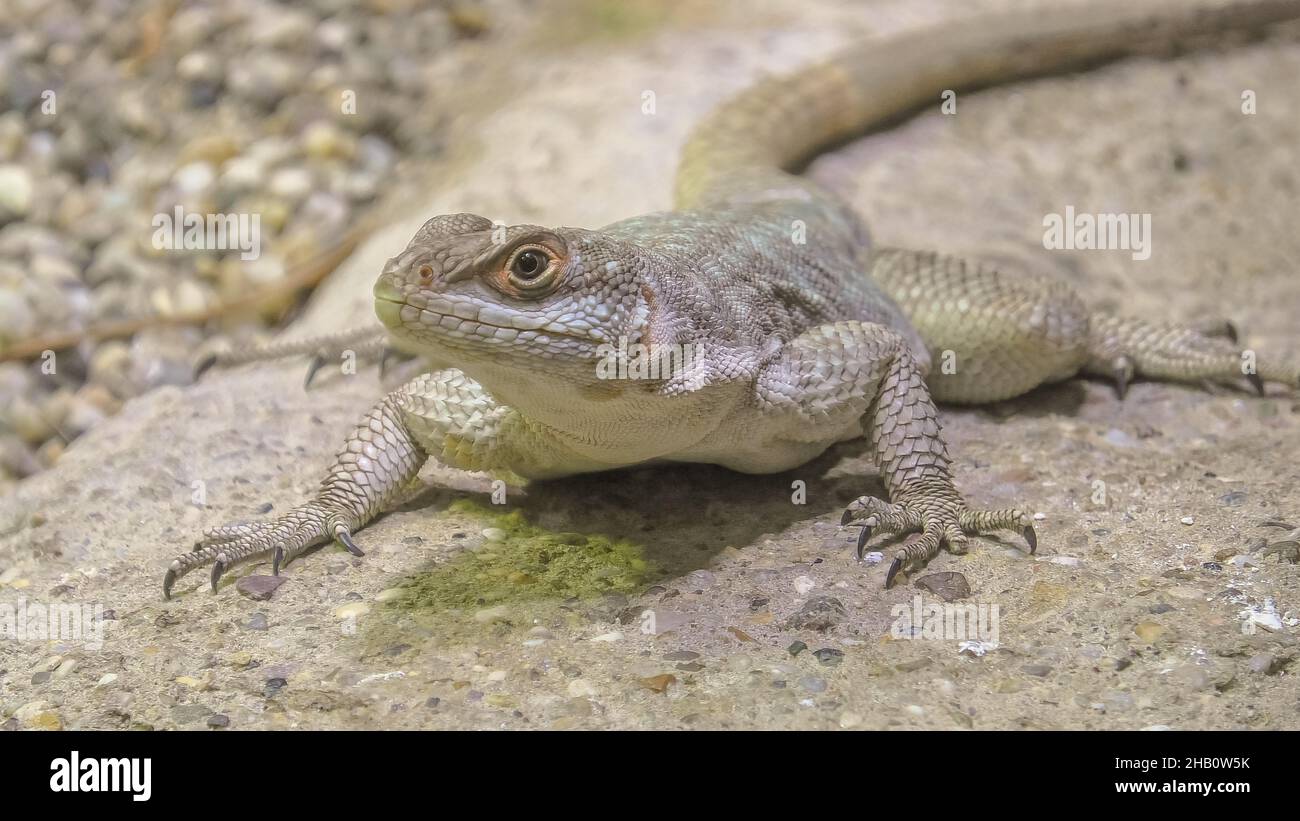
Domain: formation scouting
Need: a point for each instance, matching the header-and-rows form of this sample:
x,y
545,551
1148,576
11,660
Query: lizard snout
x,y
389,301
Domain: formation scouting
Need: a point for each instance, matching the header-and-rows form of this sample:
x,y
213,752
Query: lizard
x,y
777,349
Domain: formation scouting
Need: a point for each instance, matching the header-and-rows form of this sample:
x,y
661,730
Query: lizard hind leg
x,y
993,331
1121,348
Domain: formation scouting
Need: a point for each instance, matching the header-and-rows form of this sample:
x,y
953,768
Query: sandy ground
x,y
1153,601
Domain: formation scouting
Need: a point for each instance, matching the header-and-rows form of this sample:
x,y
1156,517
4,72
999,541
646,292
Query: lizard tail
x,y
779,124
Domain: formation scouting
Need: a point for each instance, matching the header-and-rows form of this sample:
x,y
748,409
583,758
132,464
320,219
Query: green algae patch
x,y
528,563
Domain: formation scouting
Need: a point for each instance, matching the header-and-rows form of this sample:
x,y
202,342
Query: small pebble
x,y
581,688
819,613
829,656
258,587
947,586
1149,631
659,683
491,614
699,579
352,611
1265,664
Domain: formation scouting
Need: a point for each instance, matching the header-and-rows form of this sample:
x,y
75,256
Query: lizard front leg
x,y
846,373
443,414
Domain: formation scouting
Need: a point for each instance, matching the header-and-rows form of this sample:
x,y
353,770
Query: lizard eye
x,y
532,268
529,264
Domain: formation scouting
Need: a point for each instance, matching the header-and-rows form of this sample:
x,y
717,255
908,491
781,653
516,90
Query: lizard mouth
x,y
389,303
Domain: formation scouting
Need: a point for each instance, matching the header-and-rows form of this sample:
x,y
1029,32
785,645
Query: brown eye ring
x,y
426,274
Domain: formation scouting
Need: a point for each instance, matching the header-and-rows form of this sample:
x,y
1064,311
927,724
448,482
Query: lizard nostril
x,y
426,274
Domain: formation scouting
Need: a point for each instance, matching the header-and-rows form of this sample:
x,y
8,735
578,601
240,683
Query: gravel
x,y
111,117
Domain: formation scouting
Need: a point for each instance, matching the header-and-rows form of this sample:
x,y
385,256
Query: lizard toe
x,y
874,515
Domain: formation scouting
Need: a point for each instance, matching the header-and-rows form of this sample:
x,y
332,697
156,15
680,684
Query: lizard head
x,y
511,303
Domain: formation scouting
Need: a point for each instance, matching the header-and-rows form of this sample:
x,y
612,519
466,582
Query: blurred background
x,y
112,112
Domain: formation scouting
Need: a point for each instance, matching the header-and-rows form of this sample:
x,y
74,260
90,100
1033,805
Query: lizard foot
x,y
285,537
945,520
363,344
1209,351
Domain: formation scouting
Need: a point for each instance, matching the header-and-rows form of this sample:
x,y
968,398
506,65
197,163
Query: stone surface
x,y
542,138
947,586
259,587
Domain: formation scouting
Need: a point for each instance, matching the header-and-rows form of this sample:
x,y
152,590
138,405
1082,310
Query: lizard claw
x,y
218,568
168,581
285,537
863,535
894,567
939,520
346,538
313,367
204,365
1256,382
1123,374
1230,331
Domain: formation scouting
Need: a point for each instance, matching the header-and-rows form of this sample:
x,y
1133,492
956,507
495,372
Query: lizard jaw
x,y
394,310
388,304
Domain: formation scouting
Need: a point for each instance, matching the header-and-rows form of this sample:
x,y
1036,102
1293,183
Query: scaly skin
x,y
792,331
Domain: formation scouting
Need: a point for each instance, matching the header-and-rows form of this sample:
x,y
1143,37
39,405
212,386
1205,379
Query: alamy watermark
x,y
53,621
126,775
653,361
971,621
208,232
1098,232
